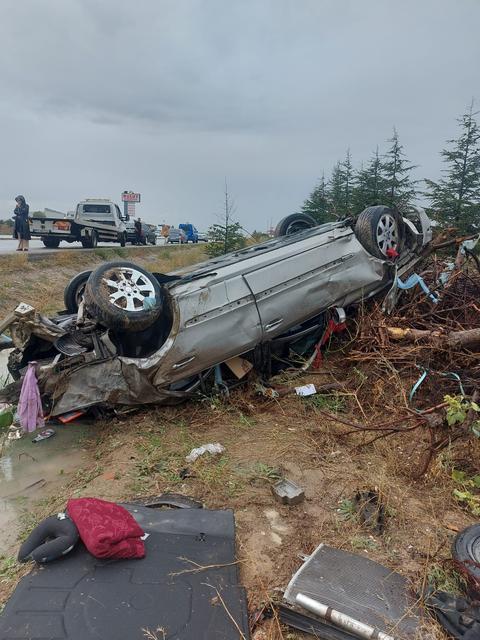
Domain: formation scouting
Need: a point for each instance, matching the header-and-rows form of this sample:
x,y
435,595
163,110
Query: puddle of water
x,y
30,471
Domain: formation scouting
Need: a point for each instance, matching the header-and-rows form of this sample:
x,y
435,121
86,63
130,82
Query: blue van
x,y
190,232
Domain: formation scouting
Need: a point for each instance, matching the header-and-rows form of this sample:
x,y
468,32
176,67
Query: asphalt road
x,y
9,245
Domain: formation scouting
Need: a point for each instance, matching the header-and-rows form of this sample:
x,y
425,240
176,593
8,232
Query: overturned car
x,y
130,337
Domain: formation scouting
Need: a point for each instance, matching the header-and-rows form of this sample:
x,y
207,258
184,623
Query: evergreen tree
x,y
316,205
347,174
455,198
369,185
227,236
336,191
399,187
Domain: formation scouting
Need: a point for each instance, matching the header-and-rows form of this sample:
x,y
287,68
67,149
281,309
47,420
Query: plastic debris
x,y
30,410
44,435
213,448
306,390
287,492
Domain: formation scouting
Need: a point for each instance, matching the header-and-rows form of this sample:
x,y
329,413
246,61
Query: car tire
x,y
51,243
379,229
294,223
466,551
73,292
126,312
93,240
123,239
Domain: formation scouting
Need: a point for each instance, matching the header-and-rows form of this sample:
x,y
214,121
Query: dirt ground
x,y
143,453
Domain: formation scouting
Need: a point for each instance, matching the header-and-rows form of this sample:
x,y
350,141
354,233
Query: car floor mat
x,y
186,588
359,587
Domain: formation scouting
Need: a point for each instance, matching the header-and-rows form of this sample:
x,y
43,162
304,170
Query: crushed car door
x,y
308,277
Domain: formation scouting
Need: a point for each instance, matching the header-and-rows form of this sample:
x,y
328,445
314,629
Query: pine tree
x,y
227,236
336,191
399,187
347,174
455,198
316,205
369,185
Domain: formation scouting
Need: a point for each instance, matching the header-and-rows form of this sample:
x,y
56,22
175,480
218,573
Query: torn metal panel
x,y
359,587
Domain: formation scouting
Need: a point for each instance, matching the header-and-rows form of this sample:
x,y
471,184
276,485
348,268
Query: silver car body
x,y
227,306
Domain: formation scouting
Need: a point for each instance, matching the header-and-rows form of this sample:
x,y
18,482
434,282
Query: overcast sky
x,y
169,97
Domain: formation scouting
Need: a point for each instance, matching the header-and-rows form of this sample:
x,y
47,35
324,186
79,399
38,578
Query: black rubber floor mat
x,y
82,598
358,587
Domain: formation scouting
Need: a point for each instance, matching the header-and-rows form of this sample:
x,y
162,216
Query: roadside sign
x,y
129,196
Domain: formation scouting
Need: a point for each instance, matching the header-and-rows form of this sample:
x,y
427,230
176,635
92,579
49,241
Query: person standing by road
x,y
138,231
21,229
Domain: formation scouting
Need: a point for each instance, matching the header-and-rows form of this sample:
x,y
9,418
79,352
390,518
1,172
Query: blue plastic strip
x,y
412,281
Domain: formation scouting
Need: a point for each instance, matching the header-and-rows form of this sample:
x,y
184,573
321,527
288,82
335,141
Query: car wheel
x,y
466,551
115,296
73,294
51,243
93,240
123,239
294,223
380,230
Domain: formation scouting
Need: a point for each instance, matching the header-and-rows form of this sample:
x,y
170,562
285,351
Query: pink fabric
x,y
30,411
106,529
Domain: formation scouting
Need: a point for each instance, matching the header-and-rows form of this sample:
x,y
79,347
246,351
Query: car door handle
x,y
182,363
274,323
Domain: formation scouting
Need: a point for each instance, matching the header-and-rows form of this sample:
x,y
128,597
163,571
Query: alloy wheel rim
x,y
387,233
128,289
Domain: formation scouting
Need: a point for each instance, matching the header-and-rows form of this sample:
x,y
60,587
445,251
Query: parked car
x,y
190,232
148,233
202,236
176,235
141,337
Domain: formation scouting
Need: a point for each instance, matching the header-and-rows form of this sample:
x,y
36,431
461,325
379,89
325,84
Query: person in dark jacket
x,y
138,231
21,229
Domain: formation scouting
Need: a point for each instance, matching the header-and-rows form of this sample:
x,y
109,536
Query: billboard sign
x,y
129,196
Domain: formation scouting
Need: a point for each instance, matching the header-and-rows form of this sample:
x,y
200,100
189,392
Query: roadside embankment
x,y
41,282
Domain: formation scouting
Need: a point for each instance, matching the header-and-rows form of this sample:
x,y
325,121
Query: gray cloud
x,y
168,97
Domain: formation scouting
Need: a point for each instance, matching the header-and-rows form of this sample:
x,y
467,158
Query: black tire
x,y
114,314
74,291
466,551
123,239
51,243
380,228
93,240
294,223
153,241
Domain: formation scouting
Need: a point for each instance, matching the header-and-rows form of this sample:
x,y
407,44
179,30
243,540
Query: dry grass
x,y
41,282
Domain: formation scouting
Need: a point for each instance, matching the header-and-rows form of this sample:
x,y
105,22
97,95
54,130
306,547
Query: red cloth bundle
x,y
106,529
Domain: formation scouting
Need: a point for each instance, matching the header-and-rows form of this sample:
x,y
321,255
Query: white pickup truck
x,y
95,220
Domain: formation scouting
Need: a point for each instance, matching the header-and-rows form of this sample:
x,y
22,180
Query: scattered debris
x,y
337,579
124,598
459,617
306,390
213,448
370,510
466,554
44,435
51,539
239,366
174,500
287,492
339,619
